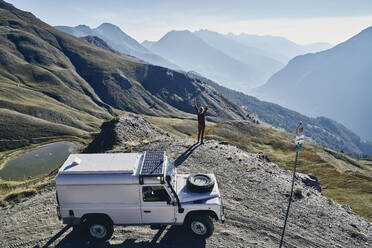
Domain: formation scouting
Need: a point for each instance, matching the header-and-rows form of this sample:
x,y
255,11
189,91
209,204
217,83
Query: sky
x,y
302,21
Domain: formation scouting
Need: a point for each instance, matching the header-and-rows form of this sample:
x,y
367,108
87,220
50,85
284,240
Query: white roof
x,y
101,163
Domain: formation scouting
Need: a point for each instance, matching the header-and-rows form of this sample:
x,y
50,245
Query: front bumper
x,y
59,213
222,212
71,221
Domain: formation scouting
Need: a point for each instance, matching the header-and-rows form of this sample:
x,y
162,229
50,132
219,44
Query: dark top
x,y
201,116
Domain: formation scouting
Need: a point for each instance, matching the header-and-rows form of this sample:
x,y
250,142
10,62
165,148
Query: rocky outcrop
x,y
124,132
311,181
263,157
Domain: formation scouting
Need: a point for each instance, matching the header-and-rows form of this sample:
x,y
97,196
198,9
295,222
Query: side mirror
x,y
168,178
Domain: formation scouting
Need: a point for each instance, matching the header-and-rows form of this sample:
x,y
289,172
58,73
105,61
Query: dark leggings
x,y
201,132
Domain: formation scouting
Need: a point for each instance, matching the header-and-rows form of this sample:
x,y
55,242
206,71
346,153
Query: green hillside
x,y
55,77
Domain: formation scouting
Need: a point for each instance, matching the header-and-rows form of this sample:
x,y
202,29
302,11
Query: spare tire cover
x,y
199,183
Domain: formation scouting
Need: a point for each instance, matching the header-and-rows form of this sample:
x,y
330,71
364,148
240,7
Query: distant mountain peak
x,y
206,31
367,31
148,44
84,28
178,32
118,40
110,26
180,35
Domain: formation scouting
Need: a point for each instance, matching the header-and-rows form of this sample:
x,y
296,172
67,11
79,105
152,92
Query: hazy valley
x,y
333,83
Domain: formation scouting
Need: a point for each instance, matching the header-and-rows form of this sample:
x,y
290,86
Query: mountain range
x,y
119,41
259,57
278,47
263,66
217,57
62,85
193,54
335,83
239,62
320,130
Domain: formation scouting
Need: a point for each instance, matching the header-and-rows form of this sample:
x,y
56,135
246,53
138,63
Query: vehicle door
x,y
156,207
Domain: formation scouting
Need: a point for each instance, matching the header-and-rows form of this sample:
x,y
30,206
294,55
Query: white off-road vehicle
x,y
97,191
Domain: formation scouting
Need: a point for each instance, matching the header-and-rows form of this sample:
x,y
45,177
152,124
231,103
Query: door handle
x,y
147,211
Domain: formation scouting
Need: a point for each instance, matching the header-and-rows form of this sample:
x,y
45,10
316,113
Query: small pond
x,y
37,162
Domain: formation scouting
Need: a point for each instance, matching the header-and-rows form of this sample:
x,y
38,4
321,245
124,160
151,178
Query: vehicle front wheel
x,y
98,229
200,226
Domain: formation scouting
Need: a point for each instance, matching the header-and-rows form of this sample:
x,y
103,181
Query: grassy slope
x,y
41,95
56,77
354,189
30,129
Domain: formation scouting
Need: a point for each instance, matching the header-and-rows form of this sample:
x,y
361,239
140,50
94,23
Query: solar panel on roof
x,y
153,163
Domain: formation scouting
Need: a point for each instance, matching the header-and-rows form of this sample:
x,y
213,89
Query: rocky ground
x,y
255,194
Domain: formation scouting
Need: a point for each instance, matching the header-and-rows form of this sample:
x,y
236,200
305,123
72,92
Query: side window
x,y
154,194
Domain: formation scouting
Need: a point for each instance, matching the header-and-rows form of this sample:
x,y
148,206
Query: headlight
x,y
59,213
222,211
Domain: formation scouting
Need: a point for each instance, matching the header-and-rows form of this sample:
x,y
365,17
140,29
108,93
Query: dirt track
x,y
254,194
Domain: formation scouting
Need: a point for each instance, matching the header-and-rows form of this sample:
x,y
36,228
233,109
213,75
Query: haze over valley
x,y
251,64
335,83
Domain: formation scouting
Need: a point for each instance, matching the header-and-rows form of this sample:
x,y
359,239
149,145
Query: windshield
x,y
170,172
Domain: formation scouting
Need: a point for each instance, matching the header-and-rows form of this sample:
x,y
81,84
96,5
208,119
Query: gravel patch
x,y
255,195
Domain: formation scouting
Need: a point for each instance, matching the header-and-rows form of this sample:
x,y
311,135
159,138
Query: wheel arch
x,y
96,215
209,213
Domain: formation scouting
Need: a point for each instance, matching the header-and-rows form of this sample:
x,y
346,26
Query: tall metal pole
x,y
290,201
299,141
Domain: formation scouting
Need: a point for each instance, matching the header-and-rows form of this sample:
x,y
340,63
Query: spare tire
x,y
199,183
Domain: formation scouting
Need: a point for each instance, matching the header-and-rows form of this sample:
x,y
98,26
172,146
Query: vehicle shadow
x,y
174,236
185,155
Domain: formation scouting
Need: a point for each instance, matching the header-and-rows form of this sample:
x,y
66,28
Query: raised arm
x,y
206,107
195,106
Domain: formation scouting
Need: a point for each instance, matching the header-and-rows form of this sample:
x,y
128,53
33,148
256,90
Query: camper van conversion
x,y
97,191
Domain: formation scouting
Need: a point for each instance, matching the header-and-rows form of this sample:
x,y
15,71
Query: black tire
x,y
97,229
200,226
199,183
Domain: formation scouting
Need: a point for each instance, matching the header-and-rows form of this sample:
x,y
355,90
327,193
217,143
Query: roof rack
x,y
152,165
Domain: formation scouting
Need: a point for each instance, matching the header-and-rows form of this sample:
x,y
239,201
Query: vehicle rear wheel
x,y
98,229
199,183
200,226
